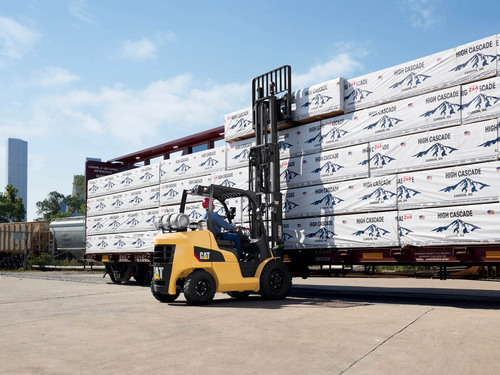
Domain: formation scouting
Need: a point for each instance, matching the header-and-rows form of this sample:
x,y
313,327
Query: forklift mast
x,y
271,104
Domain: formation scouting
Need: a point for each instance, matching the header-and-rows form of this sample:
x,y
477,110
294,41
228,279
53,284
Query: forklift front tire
x,y
275,280
199,288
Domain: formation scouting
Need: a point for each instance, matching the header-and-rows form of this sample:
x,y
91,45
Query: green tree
x,y
11,206
76,201
50,208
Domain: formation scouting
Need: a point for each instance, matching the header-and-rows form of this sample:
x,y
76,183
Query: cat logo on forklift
x,y
207,255
158,272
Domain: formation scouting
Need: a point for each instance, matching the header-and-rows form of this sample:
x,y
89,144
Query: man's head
x,y
204,204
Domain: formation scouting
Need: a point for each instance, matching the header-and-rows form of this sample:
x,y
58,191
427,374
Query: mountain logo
x,y
372,231
139,242
155,196
385,122
182,168
162,173
335,133
93,188
133,222
127,181
283,146
444,109
119,243
323,233
357,95
317,101
151,219
98,226
103,244
411,79
243,155
286,236
241,124
467,185
171,193
221,211
117,203
228,183
210,162
436,150
195,215
490,143
328,167
378,160
379,194
115,224
88,245
101,206
136,200
404,231
109,185
147,176
481,101
288,175
406,193
476,61
289,205
458,227
328,200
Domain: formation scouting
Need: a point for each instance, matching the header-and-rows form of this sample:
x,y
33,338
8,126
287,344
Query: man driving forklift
x,y
219,223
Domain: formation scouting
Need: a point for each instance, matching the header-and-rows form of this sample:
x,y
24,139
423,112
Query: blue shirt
x,y
219,222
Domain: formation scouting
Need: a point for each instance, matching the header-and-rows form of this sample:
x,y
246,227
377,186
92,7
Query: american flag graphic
x,y
421,217
403,144
410,105
344,221
491,212
467,132
429,178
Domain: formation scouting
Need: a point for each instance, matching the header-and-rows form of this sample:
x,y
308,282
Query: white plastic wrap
x,y
325,167
367,194
416,77
238,153
476,224
236,178
137,221
121,243
196,164
133,200
343,231
476,60
481,100
171,192
128,180
466,184
238,124
435,149
318,100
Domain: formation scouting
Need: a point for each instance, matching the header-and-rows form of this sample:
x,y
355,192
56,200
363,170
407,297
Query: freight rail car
x,y
398,166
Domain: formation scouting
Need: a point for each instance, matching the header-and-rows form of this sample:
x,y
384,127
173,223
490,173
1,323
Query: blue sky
x,y
105,78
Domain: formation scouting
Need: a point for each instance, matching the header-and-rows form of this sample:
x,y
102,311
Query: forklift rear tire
x,y
164,297
275,280
199,288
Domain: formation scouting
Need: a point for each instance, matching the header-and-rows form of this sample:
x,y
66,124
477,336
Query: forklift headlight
x,y
179,222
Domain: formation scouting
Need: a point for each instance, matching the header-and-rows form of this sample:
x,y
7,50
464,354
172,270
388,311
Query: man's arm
x,y
221,222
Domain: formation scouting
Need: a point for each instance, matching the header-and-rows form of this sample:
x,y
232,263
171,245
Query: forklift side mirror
x,y
232,212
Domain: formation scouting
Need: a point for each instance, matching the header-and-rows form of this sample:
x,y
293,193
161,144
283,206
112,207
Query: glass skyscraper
x,y
17,167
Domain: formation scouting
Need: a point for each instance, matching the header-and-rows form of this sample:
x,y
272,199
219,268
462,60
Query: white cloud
x,y
53,76
78,8
164,110
138,50
15,39
342,65
422,13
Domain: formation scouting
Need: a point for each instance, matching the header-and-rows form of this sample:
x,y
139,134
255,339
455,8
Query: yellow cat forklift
x,y
196,259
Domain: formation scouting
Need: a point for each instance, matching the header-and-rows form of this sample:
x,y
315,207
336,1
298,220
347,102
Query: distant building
x,y
17,167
